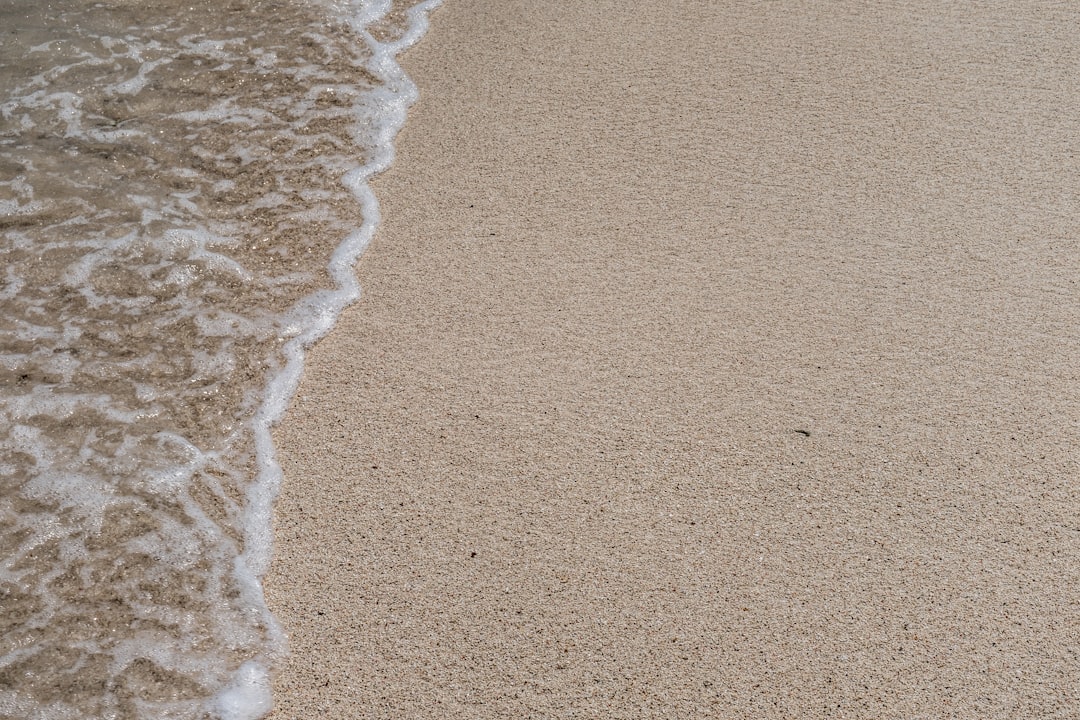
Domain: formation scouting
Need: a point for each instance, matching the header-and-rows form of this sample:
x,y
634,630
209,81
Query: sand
x,y
715,360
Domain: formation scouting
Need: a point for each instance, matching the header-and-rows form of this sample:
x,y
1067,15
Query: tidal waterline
x,y
183,188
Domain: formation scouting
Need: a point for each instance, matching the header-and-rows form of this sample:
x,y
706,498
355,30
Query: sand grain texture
x,y
716,359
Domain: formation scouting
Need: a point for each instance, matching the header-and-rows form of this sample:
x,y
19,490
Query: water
x,y
182,196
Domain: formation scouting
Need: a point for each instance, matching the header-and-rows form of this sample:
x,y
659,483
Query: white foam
x,y
85,492
247,697
226,111
387,113
149,273
134,85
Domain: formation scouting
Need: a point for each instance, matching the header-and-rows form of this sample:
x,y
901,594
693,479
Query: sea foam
x,y
182,208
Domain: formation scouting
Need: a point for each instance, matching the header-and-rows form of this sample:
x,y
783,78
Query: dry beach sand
x,y
716,359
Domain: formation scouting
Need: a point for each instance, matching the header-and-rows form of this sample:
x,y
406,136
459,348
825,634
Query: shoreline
x,y
704,365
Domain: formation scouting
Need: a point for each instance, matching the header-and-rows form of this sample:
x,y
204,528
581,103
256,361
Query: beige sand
x,y
717,359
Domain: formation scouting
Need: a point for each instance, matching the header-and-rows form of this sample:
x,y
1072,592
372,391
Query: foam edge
x,y
248,695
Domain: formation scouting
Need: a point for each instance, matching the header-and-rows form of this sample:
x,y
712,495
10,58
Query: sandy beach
x,y
715,359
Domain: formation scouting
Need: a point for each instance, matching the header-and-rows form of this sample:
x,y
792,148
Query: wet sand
x,y
715,360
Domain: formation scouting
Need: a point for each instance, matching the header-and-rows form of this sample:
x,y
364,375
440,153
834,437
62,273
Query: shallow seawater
x,y
174,228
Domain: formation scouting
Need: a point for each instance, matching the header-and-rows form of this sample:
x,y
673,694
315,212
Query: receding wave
x,y
182,196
